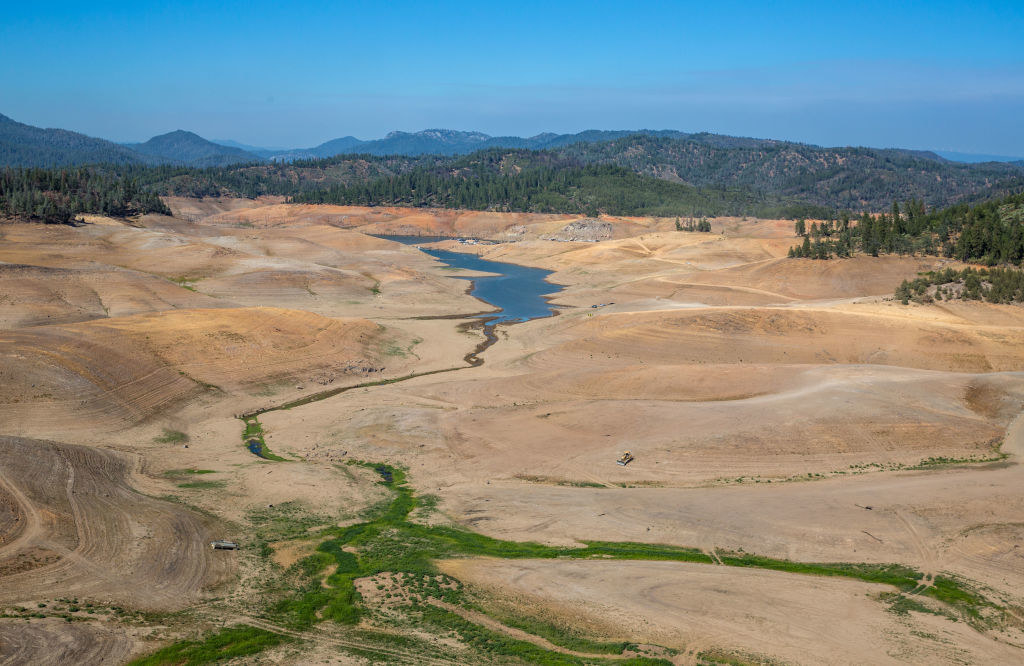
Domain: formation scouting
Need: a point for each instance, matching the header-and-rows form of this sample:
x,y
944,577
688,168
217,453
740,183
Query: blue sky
x,y
942,75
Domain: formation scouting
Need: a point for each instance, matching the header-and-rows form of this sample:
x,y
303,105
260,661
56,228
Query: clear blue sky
x,y
943,75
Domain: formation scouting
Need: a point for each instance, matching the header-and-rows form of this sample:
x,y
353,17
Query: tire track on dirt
x,y
30,521
321,637
113,544
57,642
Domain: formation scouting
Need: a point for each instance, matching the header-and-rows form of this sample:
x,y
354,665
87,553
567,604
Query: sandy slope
x,y
721,364
57,642
82,529
111,373
759,613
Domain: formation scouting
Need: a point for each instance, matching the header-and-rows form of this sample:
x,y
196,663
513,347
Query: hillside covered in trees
x,y
522,180
28,146
188,148
990,232
721,173
23,145
56,196
853,179
543,182
995,285
777,175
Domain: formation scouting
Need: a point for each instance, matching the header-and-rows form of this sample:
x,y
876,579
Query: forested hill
x,y
645,175
853,179
25,145
454,142
57,195
990,232
497,180
754,174
188,148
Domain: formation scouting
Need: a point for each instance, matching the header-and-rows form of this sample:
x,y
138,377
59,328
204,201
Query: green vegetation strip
x,y
391,543
202,485
559,635
252,436
238,641
493,642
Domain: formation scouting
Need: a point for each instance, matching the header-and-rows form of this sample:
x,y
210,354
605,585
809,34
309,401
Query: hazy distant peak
x,y
26,145
184,147
440,135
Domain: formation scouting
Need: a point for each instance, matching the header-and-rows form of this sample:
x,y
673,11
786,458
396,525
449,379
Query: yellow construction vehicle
x,y
625,458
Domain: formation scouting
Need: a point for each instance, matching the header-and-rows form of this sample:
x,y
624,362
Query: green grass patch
x,y
183,282
253,439
959,596
901,604
717,657
284,521
559,635
171,437
496,643
902,577
238,641
172,473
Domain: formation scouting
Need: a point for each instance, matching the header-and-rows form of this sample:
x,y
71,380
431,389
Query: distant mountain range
x,y
975,158
783,171
454,142
187,148
25,145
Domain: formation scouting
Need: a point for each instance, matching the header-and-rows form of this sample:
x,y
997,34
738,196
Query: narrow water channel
x,y
518,292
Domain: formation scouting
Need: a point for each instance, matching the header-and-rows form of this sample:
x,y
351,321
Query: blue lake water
x,y
518,290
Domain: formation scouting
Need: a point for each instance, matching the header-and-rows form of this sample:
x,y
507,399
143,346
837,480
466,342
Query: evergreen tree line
x,y
995,285
496,179
989,233
692,225
545,188
57,195
839,178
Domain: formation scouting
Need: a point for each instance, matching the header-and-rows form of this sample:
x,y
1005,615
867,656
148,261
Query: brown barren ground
x,y
769,402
